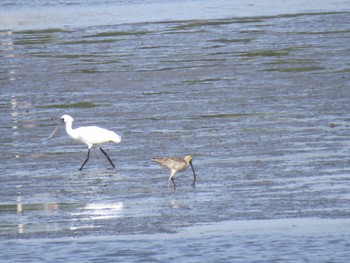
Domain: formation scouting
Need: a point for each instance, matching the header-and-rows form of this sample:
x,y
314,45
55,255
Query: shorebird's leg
x,y
109,159
87,158
171,178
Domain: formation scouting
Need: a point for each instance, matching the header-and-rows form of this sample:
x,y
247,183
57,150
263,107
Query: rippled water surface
x,y
260,102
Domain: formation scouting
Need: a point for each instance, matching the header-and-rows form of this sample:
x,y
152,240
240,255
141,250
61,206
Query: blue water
x,y
256,241
57,14
256,91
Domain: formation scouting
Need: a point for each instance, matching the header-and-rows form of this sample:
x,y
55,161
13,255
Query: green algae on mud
x,y
82,105
295,69
266,53
119,34
231,115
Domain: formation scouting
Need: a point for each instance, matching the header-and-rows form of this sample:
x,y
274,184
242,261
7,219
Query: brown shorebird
x,y
175,165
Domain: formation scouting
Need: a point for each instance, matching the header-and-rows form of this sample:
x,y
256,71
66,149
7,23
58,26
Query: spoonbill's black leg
x,y
87,158
109,159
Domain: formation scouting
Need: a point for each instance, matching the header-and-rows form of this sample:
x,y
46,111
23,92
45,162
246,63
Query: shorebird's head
x,y
188,159
66,119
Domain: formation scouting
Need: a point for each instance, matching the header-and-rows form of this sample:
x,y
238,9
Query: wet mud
x,y
261,104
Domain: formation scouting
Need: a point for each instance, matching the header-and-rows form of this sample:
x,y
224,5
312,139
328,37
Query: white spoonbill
x,y
90,135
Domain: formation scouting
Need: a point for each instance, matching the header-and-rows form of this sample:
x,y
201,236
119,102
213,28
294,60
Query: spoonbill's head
x,y
66,119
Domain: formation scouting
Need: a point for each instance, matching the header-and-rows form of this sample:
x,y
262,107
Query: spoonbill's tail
x,y
115,138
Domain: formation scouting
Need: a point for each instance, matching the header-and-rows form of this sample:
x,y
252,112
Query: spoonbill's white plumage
x,y
175,164
90,135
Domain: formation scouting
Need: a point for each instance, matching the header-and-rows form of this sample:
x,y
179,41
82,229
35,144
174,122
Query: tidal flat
x,y
261,103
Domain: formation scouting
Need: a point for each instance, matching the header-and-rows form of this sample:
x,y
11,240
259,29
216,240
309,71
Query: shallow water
x,y
260,102
297,240
36,14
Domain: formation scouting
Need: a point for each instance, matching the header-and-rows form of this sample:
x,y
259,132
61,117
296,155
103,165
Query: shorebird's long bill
x,y
55,130
194,175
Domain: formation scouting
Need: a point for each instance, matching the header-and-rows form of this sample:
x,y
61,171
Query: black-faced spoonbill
x,y
175,165
90,135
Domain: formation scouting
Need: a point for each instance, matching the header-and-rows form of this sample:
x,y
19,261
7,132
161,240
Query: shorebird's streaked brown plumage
x,y
175,164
